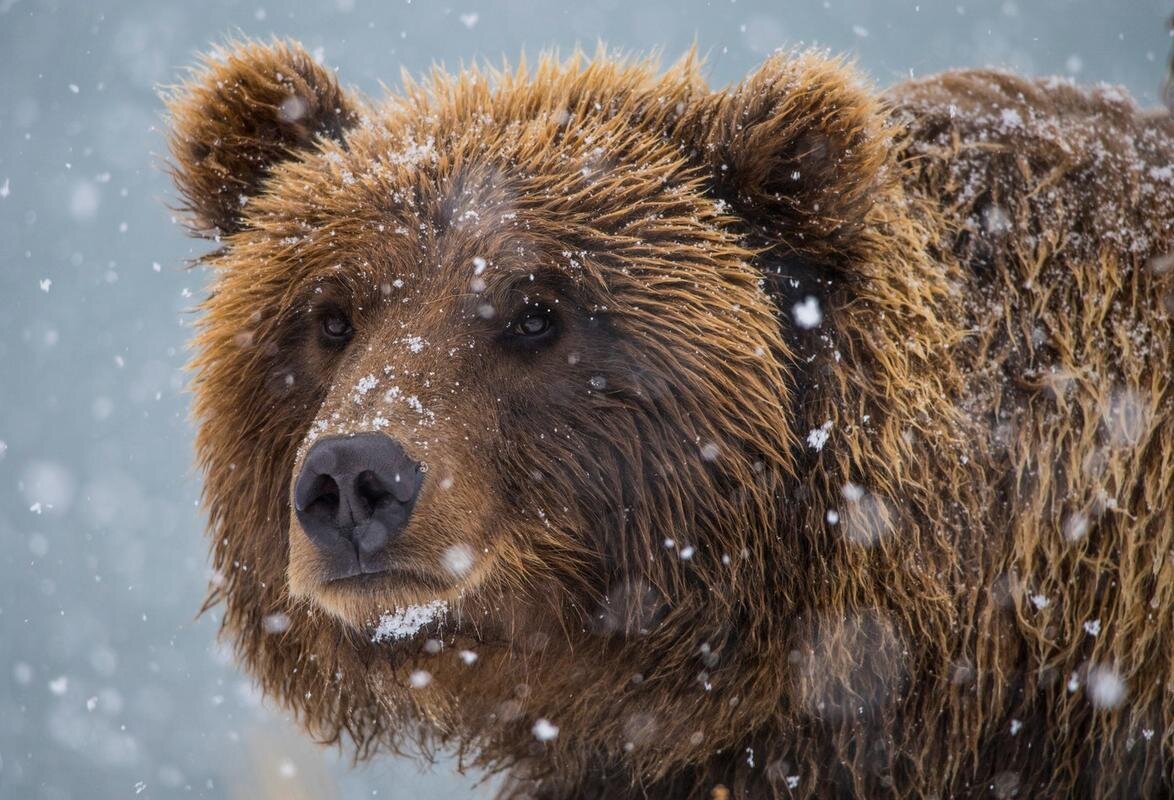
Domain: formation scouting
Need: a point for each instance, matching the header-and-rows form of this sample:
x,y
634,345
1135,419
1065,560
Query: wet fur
x,y
994,359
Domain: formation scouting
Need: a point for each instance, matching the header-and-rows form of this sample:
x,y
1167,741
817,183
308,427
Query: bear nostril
x,y
321,497
370,491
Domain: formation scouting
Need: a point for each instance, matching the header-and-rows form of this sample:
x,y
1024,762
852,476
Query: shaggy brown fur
x,y
924,548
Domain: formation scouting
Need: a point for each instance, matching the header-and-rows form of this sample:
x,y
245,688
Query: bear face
x,y
502,337
496,392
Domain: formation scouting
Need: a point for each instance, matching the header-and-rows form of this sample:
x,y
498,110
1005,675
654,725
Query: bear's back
x,y
1058,203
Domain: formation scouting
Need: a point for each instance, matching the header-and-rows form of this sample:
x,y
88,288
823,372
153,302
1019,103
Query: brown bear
x,y
643,440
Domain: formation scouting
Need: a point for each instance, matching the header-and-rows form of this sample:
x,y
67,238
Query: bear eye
x,y
336,329
533,325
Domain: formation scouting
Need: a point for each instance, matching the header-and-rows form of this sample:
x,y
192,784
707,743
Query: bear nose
x,y
355,494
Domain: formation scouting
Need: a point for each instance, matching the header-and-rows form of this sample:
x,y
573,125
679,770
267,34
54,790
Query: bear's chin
x,y
362,600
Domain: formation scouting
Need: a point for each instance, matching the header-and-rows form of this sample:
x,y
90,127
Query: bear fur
x,y
850,472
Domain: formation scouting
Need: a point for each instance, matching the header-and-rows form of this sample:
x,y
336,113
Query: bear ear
x,y
795,149
248,107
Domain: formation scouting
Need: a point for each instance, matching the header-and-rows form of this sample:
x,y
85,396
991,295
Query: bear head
x,y
498,389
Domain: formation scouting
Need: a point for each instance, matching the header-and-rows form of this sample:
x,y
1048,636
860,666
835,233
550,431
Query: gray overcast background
x,y
109,686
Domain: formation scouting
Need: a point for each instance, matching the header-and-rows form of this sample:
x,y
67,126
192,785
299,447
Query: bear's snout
x,y
354,495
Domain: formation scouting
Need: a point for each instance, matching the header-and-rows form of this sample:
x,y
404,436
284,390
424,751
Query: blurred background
x,y
109,684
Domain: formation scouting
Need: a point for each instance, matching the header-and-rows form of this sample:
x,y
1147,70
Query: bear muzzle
x,y
353,498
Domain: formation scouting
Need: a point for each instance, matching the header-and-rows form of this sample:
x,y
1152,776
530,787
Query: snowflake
x,y
544,730
807,314
818,437
1106,689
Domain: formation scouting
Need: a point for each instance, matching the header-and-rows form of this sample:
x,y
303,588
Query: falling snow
x,y
544,730
1106,689
807,314
458,559
99,504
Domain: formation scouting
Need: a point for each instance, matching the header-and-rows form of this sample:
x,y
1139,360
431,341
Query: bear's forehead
x,y
596,135
413,211
414,195
547,162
